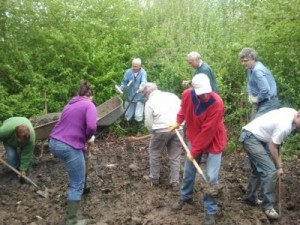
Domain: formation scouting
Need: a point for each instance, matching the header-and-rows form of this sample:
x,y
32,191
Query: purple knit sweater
x,y
77,124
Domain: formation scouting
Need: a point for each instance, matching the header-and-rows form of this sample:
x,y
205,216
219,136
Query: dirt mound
x,y
121,196
41,120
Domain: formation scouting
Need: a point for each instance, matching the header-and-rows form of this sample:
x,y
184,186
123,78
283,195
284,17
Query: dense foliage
x,y
48,46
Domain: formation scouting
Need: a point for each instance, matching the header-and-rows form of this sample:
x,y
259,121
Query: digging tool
x,y
130,139
279,187
133,138
87,157
188,151
40,192
19,173
210,189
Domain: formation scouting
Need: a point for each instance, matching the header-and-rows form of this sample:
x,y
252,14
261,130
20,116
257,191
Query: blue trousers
x,y
213,164
263,174
13,157
75,164
267,106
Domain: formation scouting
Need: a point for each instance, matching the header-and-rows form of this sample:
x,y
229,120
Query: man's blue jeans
x,y
13,157
267,106
263,174
75,164
213,164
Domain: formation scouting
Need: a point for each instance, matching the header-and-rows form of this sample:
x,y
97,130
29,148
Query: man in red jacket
x,y
203,111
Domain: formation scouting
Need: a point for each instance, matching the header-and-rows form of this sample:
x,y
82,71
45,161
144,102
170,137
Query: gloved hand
x,y
174,127
118,89
280,172
189,157
253,99
92,139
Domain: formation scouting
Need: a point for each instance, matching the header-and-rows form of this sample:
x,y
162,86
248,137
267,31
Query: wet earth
x,y
120,194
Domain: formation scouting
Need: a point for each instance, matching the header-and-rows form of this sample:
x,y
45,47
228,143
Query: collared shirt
x,y
205,127
136,81
161,110
206,69
260,82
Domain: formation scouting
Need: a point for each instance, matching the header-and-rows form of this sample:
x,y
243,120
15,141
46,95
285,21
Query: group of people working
x,y
200,110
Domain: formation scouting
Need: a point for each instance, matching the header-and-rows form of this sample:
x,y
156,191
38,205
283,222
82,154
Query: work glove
x,y
174,127
253,99
118,89
92,139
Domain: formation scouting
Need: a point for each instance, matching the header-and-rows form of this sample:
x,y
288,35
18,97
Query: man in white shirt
x,y
160,112
261,139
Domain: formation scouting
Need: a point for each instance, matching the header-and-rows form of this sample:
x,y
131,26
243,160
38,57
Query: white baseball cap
x,y
201,84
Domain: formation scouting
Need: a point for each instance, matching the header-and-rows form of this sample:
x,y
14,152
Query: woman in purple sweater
x,y
68,139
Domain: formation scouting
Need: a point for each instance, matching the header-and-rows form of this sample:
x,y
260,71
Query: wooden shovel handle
x,y
188,151
17,172
133,139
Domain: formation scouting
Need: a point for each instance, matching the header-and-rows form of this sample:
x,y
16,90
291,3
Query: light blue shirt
x,y
261,82
134,82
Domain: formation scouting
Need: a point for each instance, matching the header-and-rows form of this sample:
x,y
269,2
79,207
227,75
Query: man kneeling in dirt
x,y
160,112
18,136
261,139
203,112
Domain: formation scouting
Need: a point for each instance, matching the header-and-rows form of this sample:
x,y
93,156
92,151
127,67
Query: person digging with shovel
x,y
203,111
134,79
160,112
76,127
18,137
261,139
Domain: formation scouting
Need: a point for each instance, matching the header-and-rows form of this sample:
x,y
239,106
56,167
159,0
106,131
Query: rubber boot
x,y
127,125
138,128
72,209
209,219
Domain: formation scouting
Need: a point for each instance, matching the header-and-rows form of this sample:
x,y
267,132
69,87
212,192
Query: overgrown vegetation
x,y
48,46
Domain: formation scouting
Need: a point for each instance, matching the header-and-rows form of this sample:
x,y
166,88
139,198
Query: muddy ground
x,y
121,196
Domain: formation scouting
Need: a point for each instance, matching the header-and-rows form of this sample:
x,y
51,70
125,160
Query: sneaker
x,y
178,205
210,219
272,214
257,202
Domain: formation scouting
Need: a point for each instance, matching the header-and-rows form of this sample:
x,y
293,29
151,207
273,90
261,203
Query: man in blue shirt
x,y
134,79
261,86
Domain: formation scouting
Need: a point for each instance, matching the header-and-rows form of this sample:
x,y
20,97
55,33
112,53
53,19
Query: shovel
x,y
133,138
210,189
87,157
188,151
40,192
130,139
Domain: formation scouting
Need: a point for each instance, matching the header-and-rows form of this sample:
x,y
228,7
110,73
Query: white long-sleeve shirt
x,y
161,111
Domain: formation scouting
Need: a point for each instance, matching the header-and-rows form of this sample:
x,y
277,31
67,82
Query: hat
x,y
201,84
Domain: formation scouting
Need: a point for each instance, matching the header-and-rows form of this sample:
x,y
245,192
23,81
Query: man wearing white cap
x,y
203,111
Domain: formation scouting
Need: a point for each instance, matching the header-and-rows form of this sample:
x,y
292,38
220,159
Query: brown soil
x,y
121,196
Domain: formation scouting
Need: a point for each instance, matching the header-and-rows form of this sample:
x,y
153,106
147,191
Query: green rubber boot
x,y
72,209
